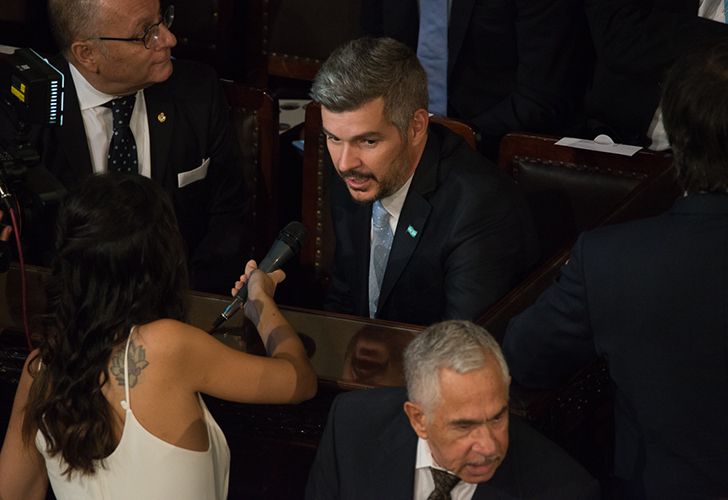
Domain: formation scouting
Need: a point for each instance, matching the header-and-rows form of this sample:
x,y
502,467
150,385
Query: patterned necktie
x,y
122,155
444,483
432,51
380,246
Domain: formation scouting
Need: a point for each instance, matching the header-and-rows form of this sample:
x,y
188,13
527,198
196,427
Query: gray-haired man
x,y
385,443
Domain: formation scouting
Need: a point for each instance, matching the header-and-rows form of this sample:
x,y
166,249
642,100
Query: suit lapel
x,y
409,229
161,118
72,135
361,237
459,20
412,220
395,471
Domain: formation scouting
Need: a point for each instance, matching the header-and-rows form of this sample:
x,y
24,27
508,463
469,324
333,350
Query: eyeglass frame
x,y
151,33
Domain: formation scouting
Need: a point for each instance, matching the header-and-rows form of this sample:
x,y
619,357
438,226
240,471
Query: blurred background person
x,y
376,357
649,297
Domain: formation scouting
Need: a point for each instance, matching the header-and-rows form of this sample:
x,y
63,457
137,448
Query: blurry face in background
x,y
467,430
375,357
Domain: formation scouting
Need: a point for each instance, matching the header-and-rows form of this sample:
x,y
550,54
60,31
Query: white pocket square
x,y
194,175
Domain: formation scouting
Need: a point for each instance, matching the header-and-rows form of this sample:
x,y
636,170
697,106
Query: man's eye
x,y
370,142
331,138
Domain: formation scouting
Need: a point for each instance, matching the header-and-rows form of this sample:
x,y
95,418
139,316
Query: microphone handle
x,y
279,253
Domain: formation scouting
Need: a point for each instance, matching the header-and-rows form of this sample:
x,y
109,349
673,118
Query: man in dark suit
x,y
636,41
511,64
461,234
179,122
453,418
649,296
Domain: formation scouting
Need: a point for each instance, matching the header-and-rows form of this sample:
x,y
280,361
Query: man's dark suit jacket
x,y
651,297
512,64
463,239
636,41
368,450
188,123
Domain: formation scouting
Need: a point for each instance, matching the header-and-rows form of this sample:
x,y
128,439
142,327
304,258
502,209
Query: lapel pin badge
x,y
411,231
161,117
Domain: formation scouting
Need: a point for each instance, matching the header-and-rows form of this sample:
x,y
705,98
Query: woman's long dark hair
x,y
120,262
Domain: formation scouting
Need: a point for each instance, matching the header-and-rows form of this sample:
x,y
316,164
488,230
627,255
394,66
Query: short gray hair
x,y
73,20
457,345
367,68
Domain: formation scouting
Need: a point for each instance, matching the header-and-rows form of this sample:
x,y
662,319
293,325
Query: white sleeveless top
x,y
145,467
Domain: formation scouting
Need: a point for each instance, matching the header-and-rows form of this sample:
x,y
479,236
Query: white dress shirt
x,y
424,484
393,204
98,124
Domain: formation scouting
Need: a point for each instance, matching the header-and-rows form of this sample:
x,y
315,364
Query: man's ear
x,y
417,418
418,127
85,55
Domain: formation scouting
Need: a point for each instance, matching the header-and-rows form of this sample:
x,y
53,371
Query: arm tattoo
x,y
137,362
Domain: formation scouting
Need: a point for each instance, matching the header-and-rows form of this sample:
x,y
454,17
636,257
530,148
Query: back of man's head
x,y
695,112
72,20
460,346
367,68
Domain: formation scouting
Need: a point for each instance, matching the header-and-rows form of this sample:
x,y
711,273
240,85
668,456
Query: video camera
x,y
31,95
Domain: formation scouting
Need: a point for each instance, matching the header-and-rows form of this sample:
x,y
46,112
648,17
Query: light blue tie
x,y
432,51
381,244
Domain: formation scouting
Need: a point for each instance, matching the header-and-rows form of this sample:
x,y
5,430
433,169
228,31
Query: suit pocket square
x,y
194,175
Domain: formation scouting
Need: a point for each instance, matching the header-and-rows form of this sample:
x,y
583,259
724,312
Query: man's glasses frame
x,y
150,38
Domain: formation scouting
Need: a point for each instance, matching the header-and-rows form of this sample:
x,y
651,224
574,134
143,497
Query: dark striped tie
x,y
444,483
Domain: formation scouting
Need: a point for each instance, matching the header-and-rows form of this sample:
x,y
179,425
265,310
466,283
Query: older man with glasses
x,y
131,108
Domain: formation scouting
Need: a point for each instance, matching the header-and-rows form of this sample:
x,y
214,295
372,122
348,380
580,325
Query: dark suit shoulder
x,y
540,469
465,178
378,405
457,160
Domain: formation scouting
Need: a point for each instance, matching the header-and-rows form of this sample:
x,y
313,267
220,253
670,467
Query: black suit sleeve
x,y
552,339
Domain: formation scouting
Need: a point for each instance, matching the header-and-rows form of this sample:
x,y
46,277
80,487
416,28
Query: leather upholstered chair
x,y
254,116
571,190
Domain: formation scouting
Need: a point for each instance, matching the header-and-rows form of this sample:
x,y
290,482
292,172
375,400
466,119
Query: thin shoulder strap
x,y
126,403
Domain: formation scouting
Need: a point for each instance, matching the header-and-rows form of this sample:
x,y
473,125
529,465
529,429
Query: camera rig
x,y
31,96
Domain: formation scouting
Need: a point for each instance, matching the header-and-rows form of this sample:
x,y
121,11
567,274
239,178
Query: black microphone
x,y
284,247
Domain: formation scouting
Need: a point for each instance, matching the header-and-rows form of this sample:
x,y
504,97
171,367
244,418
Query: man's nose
x,y
348,158
166,37
484,441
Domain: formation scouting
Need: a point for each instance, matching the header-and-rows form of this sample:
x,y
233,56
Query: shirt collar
x,y
424,456
394,202
88,96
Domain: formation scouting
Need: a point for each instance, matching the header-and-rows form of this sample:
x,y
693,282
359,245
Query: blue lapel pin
x,y
411,231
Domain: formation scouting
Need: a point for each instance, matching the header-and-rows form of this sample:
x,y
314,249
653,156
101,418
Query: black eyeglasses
x,y
150,38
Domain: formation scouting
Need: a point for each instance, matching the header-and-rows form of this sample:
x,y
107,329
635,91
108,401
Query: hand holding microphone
x,y
286,246
260,287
